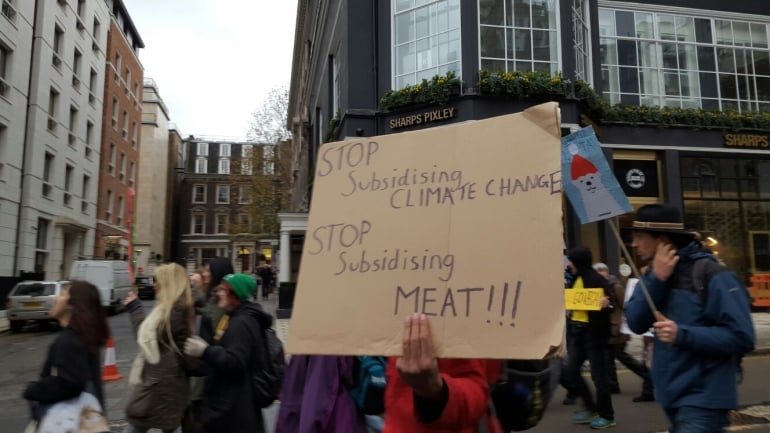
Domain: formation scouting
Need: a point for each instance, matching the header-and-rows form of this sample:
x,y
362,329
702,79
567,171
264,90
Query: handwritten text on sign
x,y
435,222
583,299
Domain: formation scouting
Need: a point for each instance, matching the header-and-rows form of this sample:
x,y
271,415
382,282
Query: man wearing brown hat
x,y
702,322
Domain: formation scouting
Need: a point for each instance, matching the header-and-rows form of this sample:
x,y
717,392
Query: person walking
x,y
315,396
228,401
72,364
159,373
590,340
619,340
702,324
216,269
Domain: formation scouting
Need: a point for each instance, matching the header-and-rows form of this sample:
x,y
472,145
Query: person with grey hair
x,y
618,341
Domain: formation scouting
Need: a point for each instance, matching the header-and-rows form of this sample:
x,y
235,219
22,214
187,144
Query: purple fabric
x,y
314,398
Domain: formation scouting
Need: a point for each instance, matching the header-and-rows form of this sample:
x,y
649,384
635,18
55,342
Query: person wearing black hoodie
x,y
218,267
589,335
228,402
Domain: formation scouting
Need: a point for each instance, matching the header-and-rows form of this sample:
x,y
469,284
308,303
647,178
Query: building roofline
x,y
296,64
119,5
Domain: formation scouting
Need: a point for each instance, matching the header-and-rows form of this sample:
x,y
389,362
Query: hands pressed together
x,y
195,346
418,366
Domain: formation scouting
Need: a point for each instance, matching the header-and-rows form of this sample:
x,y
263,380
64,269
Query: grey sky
x,y
215,61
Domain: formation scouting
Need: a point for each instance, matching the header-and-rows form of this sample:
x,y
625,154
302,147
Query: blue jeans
x,y
689,419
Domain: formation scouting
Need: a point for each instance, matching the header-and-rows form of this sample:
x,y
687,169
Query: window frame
x,y
195,191
226,188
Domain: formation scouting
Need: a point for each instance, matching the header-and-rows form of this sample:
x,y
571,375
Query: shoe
x,y
584,417
643,398
602,423
568,400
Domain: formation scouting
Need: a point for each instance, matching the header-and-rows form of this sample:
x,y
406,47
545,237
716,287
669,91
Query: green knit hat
x,y
242,285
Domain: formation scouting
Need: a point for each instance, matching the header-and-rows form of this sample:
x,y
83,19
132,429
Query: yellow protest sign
x,y
583,299
440,222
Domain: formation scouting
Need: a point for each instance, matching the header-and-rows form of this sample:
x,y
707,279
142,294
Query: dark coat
x,y
160,400
228,403
66,371
598,321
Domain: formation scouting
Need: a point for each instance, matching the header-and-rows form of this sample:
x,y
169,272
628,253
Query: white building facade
x,y
50,124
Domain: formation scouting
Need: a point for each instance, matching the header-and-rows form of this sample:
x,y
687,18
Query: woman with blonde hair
x,y
159,372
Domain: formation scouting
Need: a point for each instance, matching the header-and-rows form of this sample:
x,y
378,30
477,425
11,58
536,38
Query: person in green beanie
x,y
228,404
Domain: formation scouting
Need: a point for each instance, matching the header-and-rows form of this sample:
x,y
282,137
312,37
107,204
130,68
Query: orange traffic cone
x,y
110,371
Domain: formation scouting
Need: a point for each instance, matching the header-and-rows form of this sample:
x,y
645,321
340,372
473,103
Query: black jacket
x,y
228,403
598,321
66,371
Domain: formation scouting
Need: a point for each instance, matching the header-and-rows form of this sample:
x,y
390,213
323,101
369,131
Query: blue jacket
x,y
699,369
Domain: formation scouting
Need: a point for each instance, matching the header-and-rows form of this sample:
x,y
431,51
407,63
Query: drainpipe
x,y
25,144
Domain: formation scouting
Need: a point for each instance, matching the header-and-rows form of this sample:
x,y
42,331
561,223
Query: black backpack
x,y
266,382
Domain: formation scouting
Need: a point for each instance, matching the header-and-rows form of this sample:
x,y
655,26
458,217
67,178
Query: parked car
x,y
145,287
31,300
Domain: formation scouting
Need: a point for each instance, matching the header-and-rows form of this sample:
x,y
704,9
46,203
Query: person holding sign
x,y
701,319
426,394
589,337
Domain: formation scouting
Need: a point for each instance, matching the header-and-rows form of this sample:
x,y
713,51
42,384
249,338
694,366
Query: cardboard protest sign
x,y
462,223
589,183
583,299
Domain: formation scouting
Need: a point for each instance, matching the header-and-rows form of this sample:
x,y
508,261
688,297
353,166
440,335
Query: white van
x,y
109,276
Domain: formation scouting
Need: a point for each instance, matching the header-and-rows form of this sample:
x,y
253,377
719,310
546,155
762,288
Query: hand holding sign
x,y
585,299
418,366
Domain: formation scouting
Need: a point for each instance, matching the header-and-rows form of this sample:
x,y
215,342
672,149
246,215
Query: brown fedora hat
x,y
659,218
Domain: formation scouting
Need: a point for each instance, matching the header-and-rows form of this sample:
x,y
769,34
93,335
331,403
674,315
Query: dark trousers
x,y
618,351
585,346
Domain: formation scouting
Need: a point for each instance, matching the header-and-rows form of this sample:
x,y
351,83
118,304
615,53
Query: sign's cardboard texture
x,y
583,299
462,223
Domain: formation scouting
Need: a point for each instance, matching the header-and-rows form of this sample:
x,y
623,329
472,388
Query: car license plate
x,y
33,304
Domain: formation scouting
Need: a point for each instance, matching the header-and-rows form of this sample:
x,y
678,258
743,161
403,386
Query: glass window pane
x,y
492,42
542,67
729,188
706,60
761,62
493,65
708,85
703,30
442,16
648,54
523,66
649,100
749,188
727,168
666,27
544,45
724,32
759,35
669,54
404,81
687,58
745,87
710,104
729,105
543,14
629,99
608,51
741,35
763,88
606,22
422,23
671,81
610,78
727,86
726,59
625,23
629,80
454,14
404,4
454,67
520,13
693,103
405,59
627,52
611,98
690,187
404,28
644,28
689,84
743,63
426,57
685,29
491,12
523,44
649,82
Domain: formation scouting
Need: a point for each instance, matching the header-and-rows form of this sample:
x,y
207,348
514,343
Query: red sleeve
x,y
466,381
